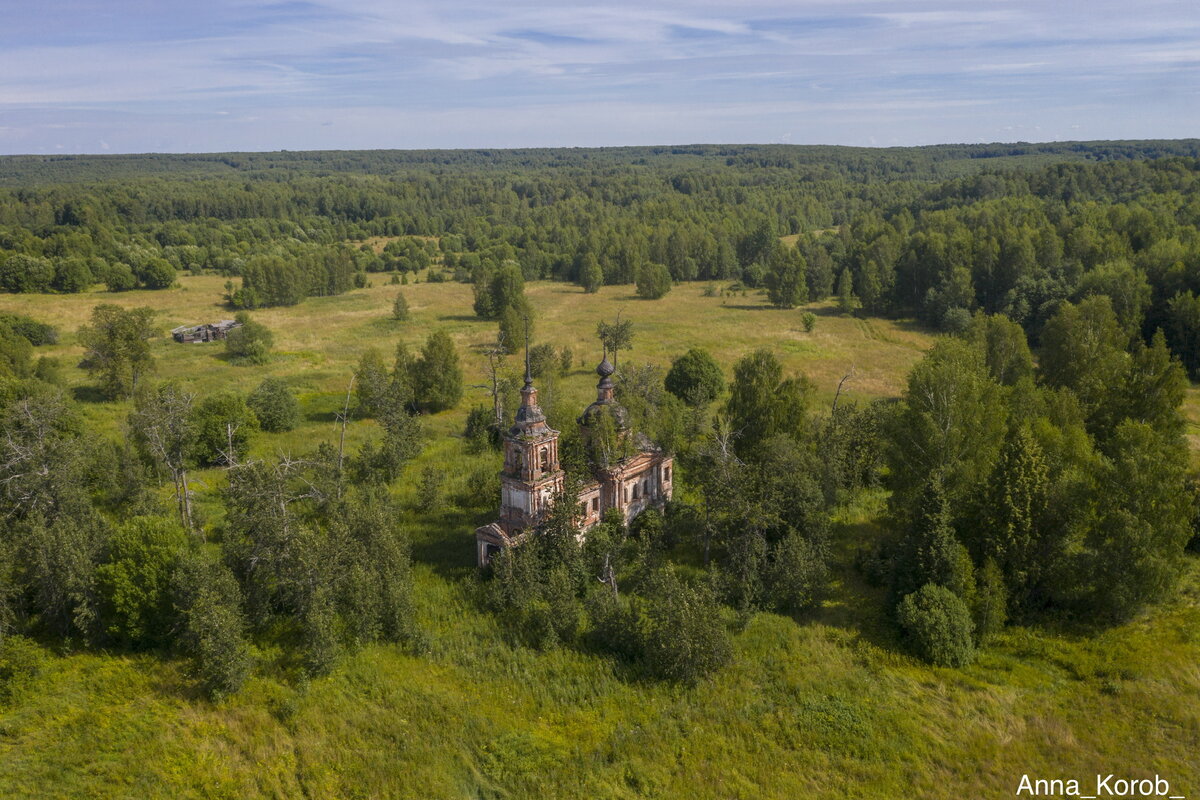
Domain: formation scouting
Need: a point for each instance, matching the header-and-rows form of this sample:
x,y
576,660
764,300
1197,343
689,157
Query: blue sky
x,y
82,76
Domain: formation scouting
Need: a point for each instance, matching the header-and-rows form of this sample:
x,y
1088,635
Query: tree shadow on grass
x,y
851,602
459,318
831,311
446,542
89,394
915,326
750,306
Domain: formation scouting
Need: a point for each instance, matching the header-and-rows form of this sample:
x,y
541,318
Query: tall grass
x,y
827,705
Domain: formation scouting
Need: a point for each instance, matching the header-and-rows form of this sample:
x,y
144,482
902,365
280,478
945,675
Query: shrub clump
x,y
275,406
938,625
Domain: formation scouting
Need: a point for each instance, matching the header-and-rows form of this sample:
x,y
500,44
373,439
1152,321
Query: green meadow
x,y
824,705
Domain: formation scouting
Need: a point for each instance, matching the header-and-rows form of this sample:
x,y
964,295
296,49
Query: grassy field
x,y
319,342
823,706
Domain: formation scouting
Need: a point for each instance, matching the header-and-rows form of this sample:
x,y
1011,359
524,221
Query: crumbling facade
x,y
627,475
208,332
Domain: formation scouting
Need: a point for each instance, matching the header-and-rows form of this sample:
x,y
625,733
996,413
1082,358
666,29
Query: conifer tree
x,y
847,302
400,311
931,552
1011,531
372,384
437,377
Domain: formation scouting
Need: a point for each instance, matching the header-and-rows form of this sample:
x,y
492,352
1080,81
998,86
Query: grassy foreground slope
x,y
826,705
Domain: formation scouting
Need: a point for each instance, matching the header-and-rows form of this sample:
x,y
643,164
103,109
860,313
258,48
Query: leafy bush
x,y
480,430
20,661
15,353
157,274
685,637
543,359
399,305
695,378
274,405
250,343
956,321
429,490
38,333
135,580
653,281
26,273
72,275
212,630
797,573
224,423
938,625
119,278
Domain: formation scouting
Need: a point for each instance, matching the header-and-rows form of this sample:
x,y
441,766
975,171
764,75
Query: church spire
x,y
528,371
530,419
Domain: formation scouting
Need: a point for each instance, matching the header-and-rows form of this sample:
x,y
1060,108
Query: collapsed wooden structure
x,y
208,332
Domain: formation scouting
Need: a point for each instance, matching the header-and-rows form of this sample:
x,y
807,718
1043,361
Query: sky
x,y
131,76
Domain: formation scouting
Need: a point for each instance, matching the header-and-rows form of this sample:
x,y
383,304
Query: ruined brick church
x,y
532,477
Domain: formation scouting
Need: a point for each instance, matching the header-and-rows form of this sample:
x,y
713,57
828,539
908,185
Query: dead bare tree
x,y
33,454
849,376
608,576
229,454
495,353
344,418
161,424
719,475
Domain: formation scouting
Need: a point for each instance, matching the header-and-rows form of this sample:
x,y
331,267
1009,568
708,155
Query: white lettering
x,y
1048,787
1125,787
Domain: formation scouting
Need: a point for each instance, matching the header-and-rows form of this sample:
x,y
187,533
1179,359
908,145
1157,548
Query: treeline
x,y
310,548
904,227
1021,244
916,161
1061,491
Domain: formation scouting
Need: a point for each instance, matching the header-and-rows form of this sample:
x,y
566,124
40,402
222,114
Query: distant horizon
x,y
518,148
164,76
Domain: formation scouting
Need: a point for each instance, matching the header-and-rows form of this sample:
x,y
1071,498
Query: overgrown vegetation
x,y
295,537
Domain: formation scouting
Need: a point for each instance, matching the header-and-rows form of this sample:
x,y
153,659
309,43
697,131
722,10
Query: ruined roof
x,y
605,399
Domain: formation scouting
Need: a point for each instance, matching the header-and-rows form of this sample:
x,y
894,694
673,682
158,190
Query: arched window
x,y
545,458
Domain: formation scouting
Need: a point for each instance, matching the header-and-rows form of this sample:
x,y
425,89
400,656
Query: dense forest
x,y
938,232
1036,465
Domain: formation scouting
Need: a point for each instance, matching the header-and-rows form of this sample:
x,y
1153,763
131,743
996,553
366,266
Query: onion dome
x,y
605,399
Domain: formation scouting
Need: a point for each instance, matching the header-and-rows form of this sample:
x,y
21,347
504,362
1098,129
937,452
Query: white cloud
x,y
672,69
